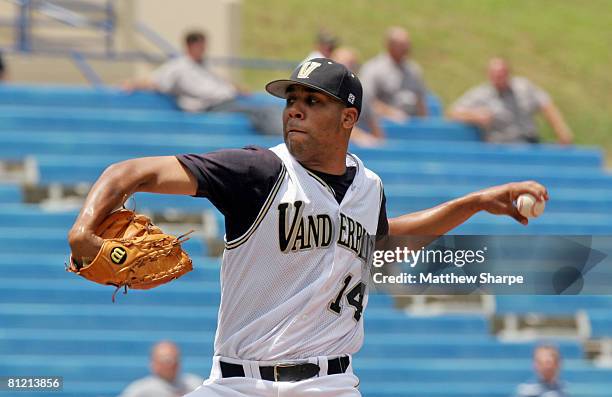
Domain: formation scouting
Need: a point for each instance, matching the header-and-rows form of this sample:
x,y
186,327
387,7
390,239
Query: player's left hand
x,y
499,200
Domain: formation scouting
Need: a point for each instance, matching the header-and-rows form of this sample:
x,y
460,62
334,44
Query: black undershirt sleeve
x,y
236,181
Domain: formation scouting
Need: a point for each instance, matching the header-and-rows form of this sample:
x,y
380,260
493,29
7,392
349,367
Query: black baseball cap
x,y
325,75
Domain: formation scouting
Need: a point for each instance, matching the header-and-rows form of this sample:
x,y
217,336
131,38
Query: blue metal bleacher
x,y
10,193
52,322
552,305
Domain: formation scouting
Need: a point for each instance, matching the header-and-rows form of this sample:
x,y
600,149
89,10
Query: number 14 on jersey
x,y
354,298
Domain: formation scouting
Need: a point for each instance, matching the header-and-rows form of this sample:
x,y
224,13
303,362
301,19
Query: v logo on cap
x,y
331,78
306,69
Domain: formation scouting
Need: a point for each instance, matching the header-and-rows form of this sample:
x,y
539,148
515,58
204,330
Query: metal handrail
x,y
58,11
157,40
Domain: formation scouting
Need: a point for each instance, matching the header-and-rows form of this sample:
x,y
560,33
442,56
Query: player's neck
x,y
336,169
327,163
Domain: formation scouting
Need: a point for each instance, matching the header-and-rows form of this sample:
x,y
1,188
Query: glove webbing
x,y
165,250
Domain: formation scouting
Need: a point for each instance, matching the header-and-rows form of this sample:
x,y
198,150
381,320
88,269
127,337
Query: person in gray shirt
x,y
392,82
166,379
546,363
504,108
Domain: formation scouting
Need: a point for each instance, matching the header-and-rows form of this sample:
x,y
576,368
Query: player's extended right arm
x,y
116,184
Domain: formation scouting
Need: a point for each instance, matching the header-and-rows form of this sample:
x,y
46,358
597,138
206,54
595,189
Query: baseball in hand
x,y
528,206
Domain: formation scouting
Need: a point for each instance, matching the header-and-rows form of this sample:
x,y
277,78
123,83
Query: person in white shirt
x,y
325,44
546,382
166,379
198,89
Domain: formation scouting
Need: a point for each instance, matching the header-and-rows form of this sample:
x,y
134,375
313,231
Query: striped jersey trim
x,y
354,158
262,213
321,181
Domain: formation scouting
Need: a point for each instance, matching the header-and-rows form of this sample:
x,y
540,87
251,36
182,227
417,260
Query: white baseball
x,y
529,207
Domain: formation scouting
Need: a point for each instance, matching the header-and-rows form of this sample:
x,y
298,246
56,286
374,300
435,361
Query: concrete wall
x,y
6,32
220,19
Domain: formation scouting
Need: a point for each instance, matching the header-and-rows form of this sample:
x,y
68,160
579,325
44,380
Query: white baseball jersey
x,y
291,285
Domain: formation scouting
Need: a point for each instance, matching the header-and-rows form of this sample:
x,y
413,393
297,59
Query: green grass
x,y
564,46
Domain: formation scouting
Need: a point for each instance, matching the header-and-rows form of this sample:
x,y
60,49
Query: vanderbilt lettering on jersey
x,y
300,233
355,237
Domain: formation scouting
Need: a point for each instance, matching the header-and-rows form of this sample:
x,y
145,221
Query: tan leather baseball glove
x,y
135,254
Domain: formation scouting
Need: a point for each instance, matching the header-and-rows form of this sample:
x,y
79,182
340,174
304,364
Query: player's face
x,y
312,124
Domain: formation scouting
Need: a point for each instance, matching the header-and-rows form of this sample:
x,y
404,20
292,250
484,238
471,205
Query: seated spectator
x,y
546,363
166,380
393,82
2,69
198,89
504,108
368,131
326,43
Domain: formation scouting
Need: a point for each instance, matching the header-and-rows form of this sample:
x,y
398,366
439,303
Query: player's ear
x,y
349,117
